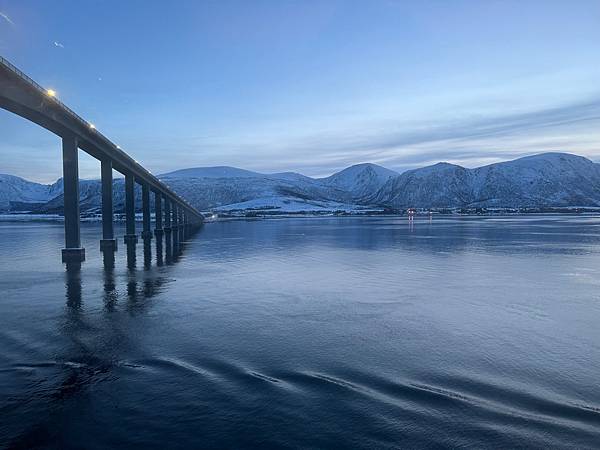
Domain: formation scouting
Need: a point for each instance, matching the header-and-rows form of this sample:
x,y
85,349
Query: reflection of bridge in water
x,y
138,285
82,361
174,216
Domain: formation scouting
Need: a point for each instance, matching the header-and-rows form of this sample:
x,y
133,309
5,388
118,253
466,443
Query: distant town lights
x,y
51,93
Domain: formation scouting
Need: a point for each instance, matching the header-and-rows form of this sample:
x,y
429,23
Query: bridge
x,y
22,96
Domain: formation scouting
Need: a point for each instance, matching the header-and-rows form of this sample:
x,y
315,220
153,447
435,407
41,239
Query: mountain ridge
x,y
546,179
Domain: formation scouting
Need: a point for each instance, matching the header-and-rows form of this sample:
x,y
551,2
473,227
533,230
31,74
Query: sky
x,y
311,86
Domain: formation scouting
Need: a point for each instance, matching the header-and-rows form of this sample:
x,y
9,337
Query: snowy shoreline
x,y
215,216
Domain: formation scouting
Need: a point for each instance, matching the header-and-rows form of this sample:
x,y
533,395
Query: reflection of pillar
x,y
132,288
158,219
159,252
110,292
146,233
168,249
130,237
73,250
73,284
147,253
108,242
131,256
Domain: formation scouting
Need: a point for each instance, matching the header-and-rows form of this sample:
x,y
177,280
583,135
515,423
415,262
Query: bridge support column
x,y
108,241
180,223
158,219
130,237
167,217
185,225
175,226
146,233
73,252
168,236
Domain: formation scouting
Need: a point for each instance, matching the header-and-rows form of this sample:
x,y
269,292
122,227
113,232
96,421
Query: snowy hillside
x,y
548,179
211,192
17,190
360,180
286,204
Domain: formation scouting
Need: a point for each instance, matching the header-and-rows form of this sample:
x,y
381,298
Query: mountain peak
x,y
357,168
552,155
360,179
211,172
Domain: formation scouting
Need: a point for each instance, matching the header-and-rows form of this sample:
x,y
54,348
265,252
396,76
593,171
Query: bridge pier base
x,y
73,251
70,255
108,245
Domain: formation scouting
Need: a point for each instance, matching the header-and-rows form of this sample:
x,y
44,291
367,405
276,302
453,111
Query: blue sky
x,y
310,86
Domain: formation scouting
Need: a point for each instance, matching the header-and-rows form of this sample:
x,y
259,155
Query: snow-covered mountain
x,y
239,187
18,193
549,179
90,197
360,180
211,172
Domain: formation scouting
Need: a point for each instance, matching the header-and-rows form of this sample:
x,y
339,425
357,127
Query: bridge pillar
x,y
180,224
183,225
167,220
130,237
175,226
73,252
188,226
168,224
158,219
108,241
146,233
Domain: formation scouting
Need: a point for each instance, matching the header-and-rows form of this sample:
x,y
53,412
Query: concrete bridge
x,y
21,95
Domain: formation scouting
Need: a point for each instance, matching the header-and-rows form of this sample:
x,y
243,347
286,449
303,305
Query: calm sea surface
x,y
307,333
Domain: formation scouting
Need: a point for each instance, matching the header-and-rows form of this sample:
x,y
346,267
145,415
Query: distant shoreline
x,y
274,214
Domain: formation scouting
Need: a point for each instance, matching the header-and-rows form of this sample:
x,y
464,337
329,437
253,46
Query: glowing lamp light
x,y
51,93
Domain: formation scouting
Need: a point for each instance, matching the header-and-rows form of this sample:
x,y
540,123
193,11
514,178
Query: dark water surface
x,y
307,333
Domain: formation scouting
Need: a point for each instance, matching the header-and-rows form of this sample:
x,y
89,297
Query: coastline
x,y
251,214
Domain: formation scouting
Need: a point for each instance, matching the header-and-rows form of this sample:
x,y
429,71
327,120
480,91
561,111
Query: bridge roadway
x,y
22,96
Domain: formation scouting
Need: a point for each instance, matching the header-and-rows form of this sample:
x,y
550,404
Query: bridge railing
x,y
73,114
69,111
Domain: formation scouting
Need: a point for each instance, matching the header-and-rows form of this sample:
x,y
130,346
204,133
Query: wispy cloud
x,y
58,44
469,141
5,17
